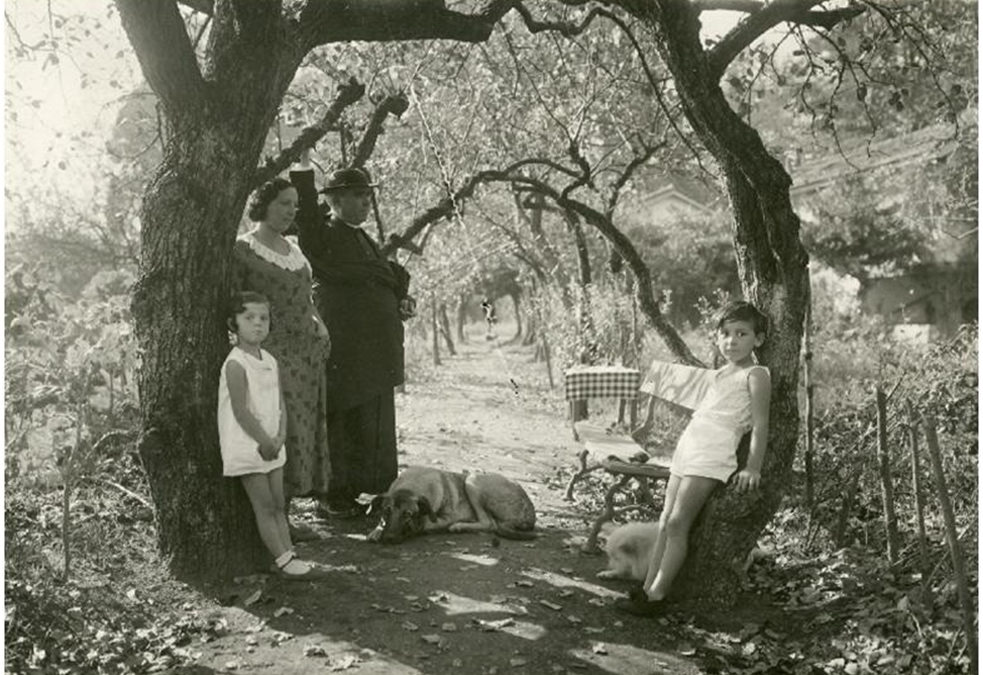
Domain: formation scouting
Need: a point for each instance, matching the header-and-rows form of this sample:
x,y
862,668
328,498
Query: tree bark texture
x,y
189,219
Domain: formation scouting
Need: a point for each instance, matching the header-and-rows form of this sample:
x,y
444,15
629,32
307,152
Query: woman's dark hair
x,y
238,306
264,196
741,310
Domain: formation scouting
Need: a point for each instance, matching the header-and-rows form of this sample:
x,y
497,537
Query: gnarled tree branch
x,y
325,21
394,104
348,94
766,17
156,31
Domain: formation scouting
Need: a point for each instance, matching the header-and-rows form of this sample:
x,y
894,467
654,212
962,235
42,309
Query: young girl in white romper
x,y
706,454
252,426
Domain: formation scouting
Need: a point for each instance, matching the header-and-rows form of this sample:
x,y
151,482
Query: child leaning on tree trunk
x,y
706,454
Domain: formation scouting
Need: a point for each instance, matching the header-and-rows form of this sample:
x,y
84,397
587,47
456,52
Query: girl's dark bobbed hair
x,y
237,305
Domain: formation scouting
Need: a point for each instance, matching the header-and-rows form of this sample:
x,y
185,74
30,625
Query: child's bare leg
x,y
280,506
261,497
691,495
672,487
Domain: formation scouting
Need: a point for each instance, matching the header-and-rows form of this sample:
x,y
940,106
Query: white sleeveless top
x,y
240,451
728,400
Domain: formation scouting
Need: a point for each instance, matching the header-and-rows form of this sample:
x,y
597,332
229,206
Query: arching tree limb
x,y
349,93
394,104
163,48
766,17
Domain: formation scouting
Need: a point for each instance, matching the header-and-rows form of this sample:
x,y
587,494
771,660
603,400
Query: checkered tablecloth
x,y
584,382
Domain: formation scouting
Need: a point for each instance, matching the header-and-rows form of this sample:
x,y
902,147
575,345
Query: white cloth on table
x,y
708,445
240,451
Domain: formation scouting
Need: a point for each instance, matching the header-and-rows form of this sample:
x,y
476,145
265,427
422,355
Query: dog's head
x,y
402,514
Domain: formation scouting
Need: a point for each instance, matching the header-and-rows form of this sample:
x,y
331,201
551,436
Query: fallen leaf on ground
x,y
345,663
566,570
515,663
523,582
574,619
599,648
448,627
410,626
314,650
431,639
686,649
252,598
566,593
283,610
550,605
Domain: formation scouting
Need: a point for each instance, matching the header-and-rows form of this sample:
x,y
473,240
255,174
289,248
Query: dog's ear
x,y
375,504
423,504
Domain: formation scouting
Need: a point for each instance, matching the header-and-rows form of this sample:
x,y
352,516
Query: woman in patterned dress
x,y
268,263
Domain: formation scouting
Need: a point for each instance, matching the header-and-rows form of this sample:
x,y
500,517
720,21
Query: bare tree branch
x,y
649,305
766,17
326,21
156,30
394,104
447,206
348,94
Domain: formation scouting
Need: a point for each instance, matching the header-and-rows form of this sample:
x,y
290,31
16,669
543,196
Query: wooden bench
x,y
611,453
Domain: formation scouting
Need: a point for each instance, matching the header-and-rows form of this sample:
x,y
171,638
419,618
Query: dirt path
x,y
457,603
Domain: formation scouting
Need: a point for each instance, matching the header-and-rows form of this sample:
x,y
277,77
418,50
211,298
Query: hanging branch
x,y
395,105
349,93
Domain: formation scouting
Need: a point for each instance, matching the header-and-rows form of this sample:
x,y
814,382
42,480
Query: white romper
x,y
708,445
240,451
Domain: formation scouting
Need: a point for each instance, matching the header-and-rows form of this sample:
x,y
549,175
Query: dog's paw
x,y
374,535
607,574
455,527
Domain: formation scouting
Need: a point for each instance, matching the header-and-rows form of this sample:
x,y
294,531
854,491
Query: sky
x,y
58,120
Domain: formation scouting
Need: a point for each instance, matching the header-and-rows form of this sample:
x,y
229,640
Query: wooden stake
x,y
810,409
848,497
434,329
549,362
952,535
916,486
884,466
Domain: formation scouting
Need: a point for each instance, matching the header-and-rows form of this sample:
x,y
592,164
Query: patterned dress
x,y
301,355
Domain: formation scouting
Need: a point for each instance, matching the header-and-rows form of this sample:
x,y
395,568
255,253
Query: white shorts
x,y
706,449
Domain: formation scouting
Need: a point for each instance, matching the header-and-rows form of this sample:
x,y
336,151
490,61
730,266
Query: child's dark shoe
x,y
638,604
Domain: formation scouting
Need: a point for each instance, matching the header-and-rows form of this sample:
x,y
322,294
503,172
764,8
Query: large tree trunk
x,y
774,275
189,218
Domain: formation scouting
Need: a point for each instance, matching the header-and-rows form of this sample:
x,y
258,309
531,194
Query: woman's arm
x,y
759,384
235,377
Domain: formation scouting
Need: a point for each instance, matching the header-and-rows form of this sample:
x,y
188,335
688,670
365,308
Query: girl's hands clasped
x,y
270,449
747,480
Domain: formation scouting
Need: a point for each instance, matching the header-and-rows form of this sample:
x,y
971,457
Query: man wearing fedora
x,y
363,299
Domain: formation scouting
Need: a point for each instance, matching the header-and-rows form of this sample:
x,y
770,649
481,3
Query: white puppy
x,y
629,549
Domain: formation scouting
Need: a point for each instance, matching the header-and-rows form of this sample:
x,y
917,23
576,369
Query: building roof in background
x,y
862,155
673,185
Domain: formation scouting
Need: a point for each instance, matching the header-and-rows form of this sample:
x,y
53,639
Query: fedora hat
x,y
347,178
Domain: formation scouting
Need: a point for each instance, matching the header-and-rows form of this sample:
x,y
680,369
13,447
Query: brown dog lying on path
x,y
432,500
